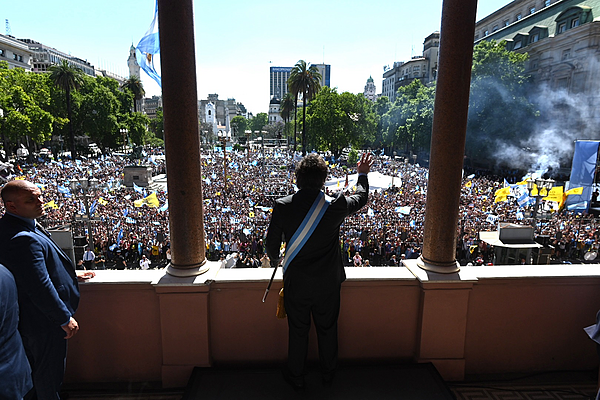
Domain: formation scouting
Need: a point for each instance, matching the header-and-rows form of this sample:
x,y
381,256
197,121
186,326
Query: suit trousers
x,y
324,306
47,353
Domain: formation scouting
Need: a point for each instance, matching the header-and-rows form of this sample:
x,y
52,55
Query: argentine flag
x,y
148,48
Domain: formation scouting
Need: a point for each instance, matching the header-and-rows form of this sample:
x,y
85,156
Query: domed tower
x,y
370,90
274,112
134,67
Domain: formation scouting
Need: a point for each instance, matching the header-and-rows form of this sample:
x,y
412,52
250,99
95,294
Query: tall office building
x,y
278,77
325,71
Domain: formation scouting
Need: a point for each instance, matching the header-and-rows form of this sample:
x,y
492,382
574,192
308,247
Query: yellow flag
x,y
578,190
102,201
555,194
20,178
503,192
138,203
469,184
523,182
500,198
251,214
152,200
51,204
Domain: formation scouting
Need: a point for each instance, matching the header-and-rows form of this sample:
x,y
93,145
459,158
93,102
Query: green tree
x,y
499,109
304,79
25,100
286,108
259,122
239,124
408,121
157,125
99,112
136,125
67,79
338,120
135,86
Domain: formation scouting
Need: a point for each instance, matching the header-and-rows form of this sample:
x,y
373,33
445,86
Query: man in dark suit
x,y
313,279
15,372
46,283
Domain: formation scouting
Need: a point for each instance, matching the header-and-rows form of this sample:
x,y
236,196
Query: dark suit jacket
x,y
15,373
319,262
45,276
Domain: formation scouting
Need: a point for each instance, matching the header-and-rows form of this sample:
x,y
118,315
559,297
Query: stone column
x,y
448,136
182,141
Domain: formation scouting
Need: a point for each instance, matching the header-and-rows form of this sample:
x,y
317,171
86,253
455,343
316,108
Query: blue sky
x,y
237,41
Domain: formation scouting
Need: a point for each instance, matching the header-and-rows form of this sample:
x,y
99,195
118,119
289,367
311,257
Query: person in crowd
x,y
47,286
313,279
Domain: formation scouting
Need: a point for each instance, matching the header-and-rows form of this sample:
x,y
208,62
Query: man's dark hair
x,y
311,172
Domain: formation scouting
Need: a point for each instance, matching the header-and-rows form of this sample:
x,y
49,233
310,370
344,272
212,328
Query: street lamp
x,y
223,138
538,188
83,187
124,132
248,134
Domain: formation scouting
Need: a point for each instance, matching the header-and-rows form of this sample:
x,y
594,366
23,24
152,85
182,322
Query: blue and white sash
x,y
306,228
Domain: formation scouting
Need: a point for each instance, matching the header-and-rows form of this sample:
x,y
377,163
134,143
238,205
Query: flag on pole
x,y
148,48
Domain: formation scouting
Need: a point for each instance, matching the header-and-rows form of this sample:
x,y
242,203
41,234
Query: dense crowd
x,y
238,193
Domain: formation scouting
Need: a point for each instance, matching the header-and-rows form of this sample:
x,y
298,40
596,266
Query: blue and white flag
x,y
138,188
63,189
93,207
120,236
148,48
165,207
130,220
492,219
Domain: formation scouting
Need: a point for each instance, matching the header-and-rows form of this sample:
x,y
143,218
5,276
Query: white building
x,y
15,53
370,91
45,56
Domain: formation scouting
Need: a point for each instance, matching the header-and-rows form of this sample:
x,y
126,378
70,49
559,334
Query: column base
x,y
184,272
440,268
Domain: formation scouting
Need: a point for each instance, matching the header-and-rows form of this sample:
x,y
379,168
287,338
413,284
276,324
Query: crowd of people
x,y
238,195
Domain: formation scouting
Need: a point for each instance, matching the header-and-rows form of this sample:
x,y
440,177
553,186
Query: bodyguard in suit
x,y
15,373
313,279
46,283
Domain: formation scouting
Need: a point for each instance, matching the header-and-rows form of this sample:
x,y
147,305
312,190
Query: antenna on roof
x,y
8,30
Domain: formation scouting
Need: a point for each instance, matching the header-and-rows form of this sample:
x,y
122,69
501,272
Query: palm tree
x,y
305,80
67,78
286,108
134,84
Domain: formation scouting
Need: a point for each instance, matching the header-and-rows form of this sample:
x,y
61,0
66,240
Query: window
x,y
15,57
495,28
574,22
531,10
505,23
21,58
535,37
534,64
517,45
562,27
546,3
209,112
2,52
518,17
486,32
566,54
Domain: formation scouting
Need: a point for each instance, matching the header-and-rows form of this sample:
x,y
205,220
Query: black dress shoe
x,y
328,378
296,382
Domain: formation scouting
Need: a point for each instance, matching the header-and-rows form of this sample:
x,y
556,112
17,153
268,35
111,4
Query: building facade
x,y
278,77
325,71
151,105
274,111
44,56
561,38
423,67
15,53
370,91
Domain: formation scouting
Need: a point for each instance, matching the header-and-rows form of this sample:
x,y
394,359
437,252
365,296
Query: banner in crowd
x,y
582,174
